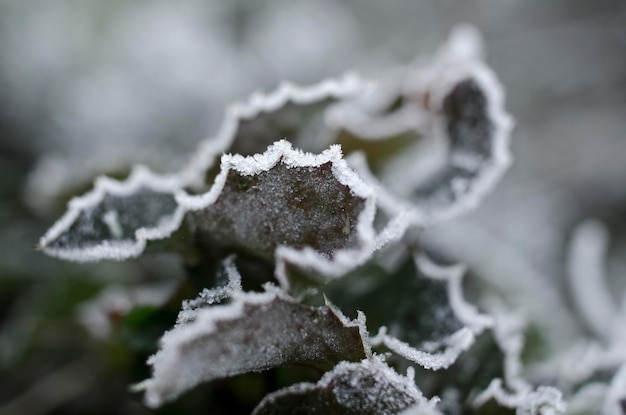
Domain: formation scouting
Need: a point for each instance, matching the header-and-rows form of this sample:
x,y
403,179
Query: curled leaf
x,y
588,282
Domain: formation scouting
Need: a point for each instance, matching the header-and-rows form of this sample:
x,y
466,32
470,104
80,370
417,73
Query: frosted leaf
x,y
418,310
291,111
254,332
210,296
473,122
369,387
115,219
456,113
289,206
474,162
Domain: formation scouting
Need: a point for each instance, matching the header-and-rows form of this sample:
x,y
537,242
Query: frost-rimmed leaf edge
x,y
461,340
591,296
139,177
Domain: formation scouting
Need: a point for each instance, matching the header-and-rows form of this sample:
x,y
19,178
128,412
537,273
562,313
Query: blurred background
x,y
90,87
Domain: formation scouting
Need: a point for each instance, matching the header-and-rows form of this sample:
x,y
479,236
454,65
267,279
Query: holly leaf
x,y
290,207
282,204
